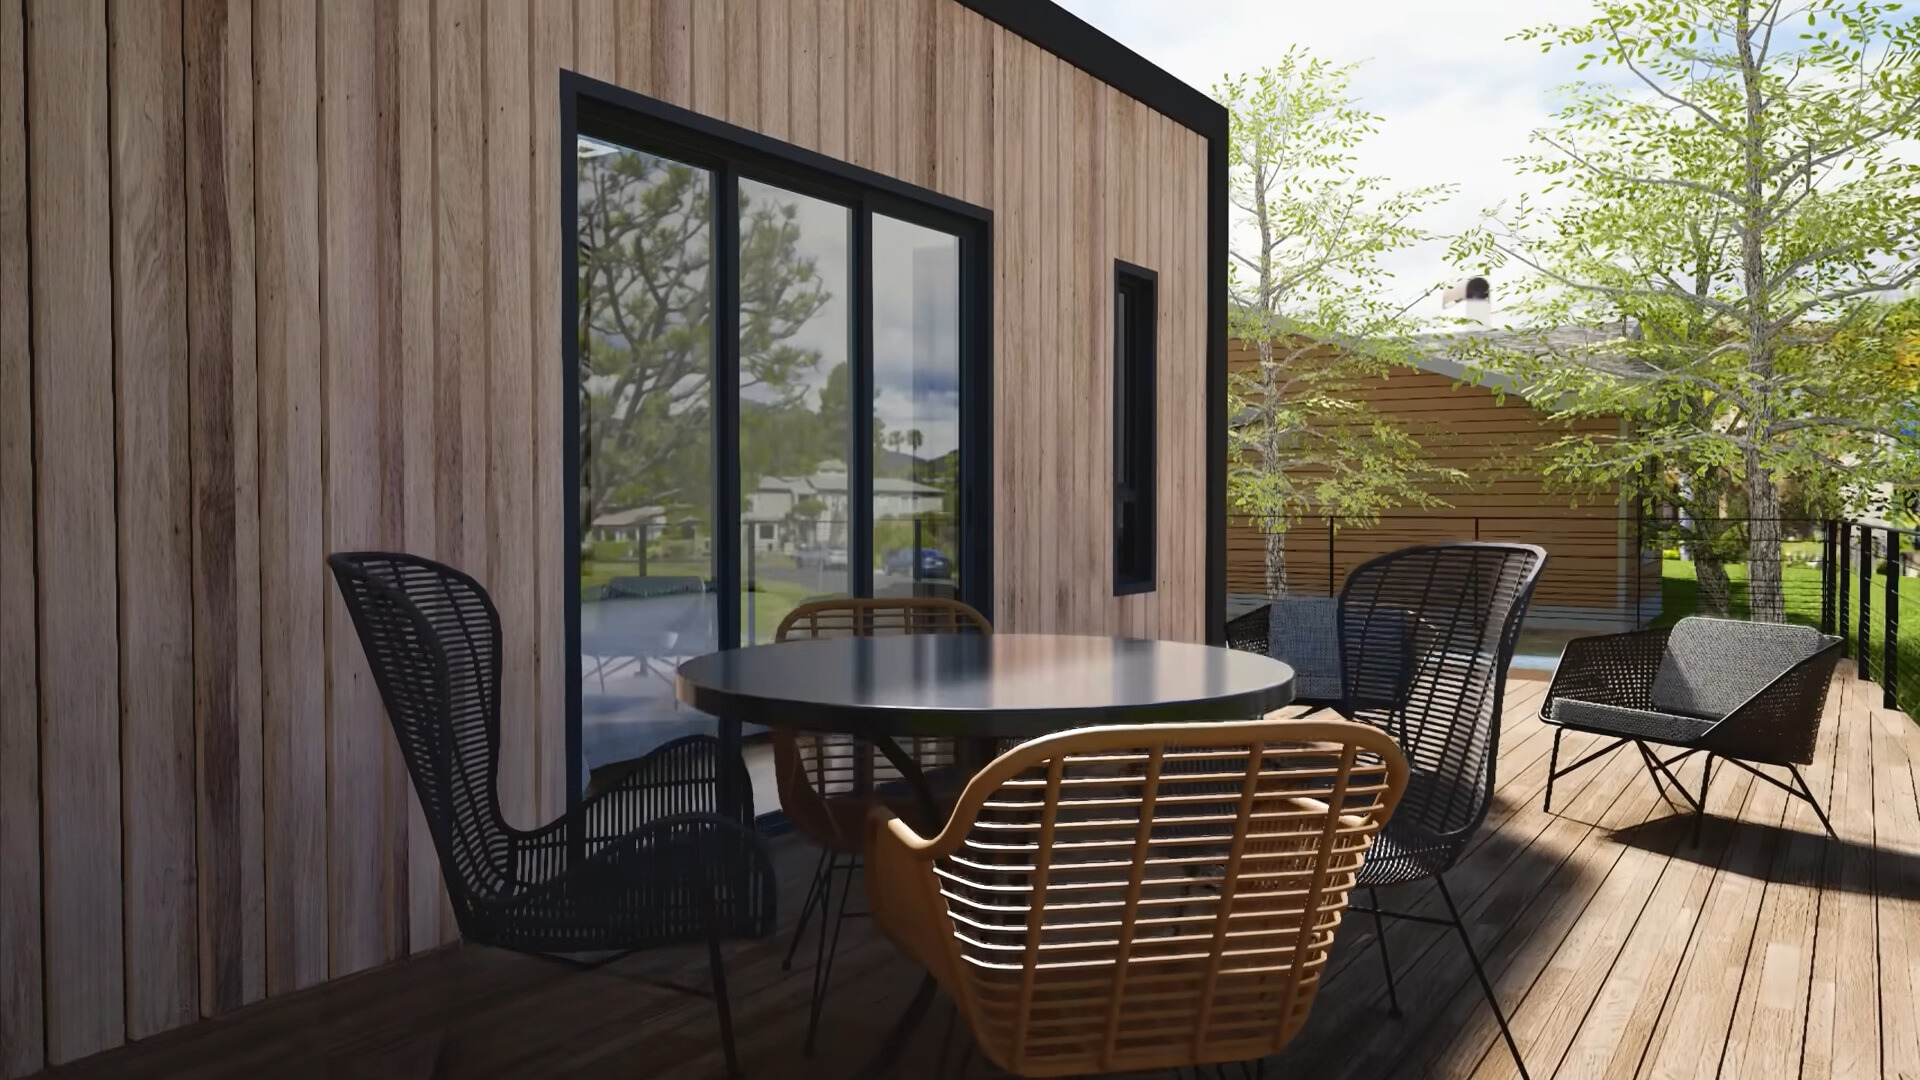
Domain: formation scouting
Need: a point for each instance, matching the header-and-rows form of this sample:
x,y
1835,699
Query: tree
x,y
1311,298
1734,204
646,331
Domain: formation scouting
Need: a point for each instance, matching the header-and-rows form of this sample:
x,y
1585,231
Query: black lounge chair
x,y
667,855
1744,692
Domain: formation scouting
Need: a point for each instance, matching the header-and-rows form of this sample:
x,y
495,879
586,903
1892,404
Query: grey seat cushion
x,y
1712,666
1628,723
1303,632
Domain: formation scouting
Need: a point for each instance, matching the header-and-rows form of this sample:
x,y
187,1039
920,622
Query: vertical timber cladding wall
x,y
281,277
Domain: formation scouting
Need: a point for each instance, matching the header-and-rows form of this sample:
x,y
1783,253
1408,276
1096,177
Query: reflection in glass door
x,y
916,410
795,403
646,425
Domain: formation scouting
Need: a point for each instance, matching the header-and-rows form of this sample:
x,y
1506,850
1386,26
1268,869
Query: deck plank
x,y
1618,947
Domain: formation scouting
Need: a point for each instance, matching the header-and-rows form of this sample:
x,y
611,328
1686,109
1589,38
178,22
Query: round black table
x,y
978,690
985,687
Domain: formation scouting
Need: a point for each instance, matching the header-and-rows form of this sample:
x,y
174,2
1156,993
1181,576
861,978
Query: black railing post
x,y
1827,567
1330,588
1840,579
1862,656
1890,647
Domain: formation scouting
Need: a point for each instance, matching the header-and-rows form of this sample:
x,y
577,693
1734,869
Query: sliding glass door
x,y
778,384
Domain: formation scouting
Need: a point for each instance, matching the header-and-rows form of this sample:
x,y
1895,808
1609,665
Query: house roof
x,y
1577,344
622,519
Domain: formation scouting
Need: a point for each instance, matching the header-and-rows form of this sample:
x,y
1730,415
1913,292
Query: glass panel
x,y
646,444
916,410
795,414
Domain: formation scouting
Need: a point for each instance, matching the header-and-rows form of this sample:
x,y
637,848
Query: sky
x,y
1455,97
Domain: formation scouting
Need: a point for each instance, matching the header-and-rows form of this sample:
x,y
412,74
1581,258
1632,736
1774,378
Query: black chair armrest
x,y
1780,723
1248,632
1610,669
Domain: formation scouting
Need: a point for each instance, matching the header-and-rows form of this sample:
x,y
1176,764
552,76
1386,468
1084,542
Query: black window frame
x,y
1136,436
603,111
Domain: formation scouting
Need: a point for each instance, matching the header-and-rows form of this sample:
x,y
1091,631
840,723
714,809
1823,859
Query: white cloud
x,y
1456,98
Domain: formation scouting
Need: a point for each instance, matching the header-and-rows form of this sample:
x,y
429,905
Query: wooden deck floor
x,y
1621,950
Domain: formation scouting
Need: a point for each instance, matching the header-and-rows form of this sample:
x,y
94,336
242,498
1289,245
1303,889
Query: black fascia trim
x,y
1074,40
1215,628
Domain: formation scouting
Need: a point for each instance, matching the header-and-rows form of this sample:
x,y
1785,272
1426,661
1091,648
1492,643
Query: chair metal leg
x,y
1700,817
721,1004
830,946
1807,794
1486,984
1386,962
1553,766
806,908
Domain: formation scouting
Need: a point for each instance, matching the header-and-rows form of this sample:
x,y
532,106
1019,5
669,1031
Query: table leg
x,y
888,1056
910,771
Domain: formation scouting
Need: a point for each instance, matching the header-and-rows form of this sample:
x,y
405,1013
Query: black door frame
x,y
730,153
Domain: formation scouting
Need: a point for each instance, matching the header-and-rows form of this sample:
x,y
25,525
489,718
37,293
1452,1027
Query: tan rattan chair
x,y
1123,899
828,782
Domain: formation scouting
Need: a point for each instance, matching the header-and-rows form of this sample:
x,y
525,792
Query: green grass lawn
x,y
1680,596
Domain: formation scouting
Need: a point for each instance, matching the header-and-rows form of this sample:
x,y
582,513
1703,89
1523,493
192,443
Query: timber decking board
x,y
1618,947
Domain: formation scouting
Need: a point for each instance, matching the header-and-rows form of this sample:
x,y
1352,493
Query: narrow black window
x,y
1135,305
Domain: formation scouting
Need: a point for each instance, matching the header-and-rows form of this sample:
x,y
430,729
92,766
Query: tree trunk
x,y
1276,561
1765,600
1716,592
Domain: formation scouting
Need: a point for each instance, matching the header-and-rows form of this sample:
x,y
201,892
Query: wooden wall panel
x,y
429,914
22,1018
153,513
328,237
358,834
226,573
552,52
70,221
510,377
293,580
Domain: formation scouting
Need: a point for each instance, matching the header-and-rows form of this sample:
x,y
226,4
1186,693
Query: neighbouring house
x,y
628,526
1599,573
281,279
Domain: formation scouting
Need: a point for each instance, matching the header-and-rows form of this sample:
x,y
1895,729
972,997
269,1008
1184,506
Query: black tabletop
x,y
1003,686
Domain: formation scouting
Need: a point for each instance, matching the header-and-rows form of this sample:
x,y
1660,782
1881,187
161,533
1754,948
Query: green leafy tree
x,y
646,331
1733,204
1310,298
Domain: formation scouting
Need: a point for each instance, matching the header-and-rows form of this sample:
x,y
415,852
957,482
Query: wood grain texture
x,y
362,922
801,61
709,61
153,514
22,1015
672,75
509,373
552,46
831,41
597,38
293,582
429,913
633,40
70,222
221,331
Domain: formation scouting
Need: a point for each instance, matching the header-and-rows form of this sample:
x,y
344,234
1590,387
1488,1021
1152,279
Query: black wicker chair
x,y
667,855
1426,636
1747,693
1302,631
